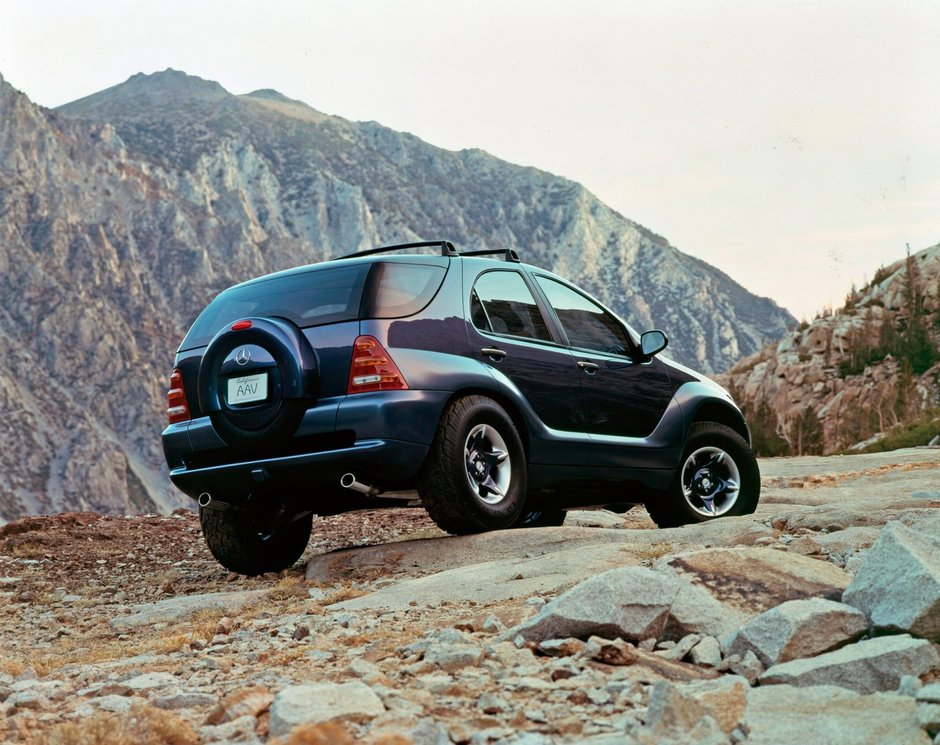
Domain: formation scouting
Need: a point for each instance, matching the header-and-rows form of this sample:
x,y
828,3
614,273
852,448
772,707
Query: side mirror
x,y
653,342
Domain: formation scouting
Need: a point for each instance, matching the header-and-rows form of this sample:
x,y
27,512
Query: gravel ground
x,y
74,650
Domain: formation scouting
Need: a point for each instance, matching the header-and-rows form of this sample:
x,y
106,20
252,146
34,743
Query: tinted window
x,y
586,323
402,289
306,299
503,304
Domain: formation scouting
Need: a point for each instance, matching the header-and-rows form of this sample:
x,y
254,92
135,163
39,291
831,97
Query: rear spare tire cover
x,y
256,380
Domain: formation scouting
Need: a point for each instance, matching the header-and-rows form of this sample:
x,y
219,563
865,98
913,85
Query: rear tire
x,y
717,476
238,544
474,478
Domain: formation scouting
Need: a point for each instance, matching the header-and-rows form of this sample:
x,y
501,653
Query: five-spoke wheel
x,y
717,476
711,481
489,467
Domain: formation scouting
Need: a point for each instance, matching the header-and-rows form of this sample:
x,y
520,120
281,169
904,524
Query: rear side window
x,y
305,299
502,303
398,289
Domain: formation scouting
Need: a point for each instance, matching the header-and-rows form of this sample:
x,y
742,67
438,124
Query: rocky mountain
x,y
812,621
124,212
853,375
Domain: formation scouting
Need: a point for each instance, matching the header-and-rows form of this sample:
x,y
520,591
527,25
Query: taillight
x,y
177,407
372,368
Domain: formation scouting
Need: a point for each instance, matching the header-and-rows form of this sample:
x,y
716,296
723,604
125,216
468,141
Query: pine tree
x,y
905,384
765,437
916,345
806,434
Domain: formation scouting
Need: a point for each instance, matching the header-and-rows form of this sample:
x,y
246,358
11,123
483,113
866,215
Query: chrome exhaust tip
x,y
205,499
348,481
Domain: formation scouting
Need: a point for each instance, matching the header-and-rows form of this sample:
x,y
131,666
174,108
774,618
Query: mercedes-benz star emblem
x,y
242,356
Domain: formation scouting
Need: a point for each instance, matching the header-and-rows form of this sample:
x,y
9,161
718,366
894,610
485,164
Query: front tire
x,y
474,479
717,476
239,543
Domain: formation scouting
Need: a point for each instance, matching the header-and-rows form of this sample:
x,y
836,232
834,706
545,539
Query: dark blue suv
x,y
500,392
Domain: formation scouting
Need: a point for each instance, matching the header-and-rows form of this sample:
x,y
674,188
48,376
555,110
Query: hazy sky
x,y
792,144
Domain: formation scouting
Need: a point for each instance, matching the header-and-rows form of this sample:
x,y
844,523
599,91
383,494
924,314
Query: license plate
x,y
248,389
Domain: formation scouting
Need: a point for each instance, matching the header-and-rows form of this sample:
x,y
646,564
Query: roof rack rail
x,y
447,248
508,253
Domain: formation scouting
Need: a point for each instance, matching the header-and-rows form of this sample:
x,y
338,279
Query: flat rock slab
x,y
177,608
831,715
837,513
869,666
845,465
929,523
754,580
429,555
496,580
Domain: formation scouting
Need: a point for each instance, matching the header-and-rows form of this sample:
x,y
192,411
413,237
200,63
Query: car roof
x,y
407,258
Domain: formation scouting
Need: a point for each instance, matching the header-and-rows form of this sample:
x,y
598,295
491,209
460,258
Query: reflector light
x,y
372,368
240,325
177,406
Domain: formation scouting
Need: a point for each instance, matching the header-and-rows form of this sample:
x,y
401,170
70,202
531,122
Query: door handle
x,y
589,367
493,353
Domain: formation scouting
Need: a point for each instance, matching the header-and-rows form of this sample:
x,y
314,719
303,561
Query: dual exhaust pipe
x,y
348,481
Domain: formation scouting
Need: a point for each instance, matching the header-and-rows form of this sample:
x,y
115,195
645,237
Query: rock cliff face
x,y
125,212
857,372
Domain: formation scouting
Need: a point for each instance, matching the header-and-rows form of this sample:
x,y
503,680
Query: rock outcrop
x,y
853,374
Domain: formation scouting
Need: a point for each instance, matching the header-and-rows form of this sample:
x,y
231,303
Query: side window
x,y
502,303
587,324
399,290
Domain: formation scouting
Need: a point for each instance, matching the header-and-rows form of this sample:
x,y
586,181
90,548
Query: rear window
x,y
399,289
305,299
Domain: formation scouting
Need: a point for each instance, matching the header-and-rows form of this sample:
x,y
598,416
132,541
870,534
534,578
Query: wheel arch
x,y
721,413
506,402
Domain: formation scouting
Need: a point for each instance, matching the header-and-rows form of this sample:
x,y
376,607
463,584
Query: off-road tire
x,y
680,506
445,482
237,543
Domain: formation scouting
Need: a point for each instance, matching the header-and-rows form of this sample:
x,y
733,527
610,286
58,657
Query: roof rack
x,y
446,247
508,253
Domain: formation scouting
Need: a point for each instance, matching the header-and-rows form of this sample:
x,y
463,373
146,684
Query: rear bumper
x,y
307,478
380,437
